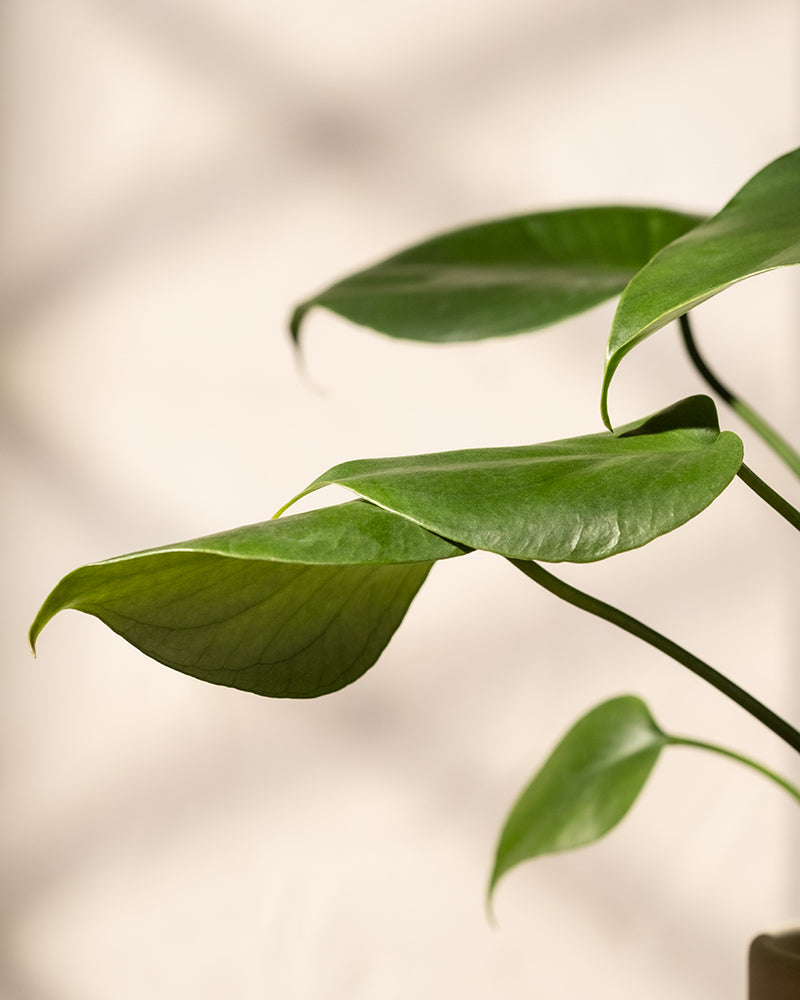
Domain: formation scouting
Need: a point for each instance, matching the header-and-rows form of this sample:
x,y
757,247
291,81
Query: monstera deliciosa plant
x,y
303,604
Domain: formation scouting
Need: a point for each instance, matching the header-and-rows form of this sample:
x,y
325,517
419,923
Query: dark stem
x,y
779,444
586,602
719,388
770,496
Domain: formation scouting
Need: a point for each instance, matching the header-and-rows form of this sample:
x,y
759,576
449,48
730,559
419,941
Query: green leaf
x,y
590,781
502,277
579,500
294,608
757,231
585,787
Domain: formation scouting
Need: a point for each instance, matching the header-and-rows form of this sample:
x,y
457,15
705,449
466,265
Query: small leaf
x,y
579,500
503,277
585,787
294,608
757,231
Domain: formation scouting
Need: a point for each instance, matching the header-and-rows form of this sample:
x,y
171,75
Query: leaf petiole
x,y
628,623
778,503
681,741
755,421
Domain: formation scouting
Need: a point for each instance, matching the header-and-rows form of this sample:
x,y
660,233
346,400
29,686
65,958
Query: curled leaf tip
x,y
39,622
295,324
296,321
490,914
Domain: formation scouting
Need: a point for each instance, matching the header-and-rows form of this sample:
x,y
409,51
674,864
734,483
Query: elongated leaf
x,y
586,785
293,608
580,499
503,277
757,231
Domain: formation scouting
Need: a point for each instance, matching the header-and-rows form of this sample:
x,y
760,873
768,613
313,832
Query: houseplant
x,y
302,605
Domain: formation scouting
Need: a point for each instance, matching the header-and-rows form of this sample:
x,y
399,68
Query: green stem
x,y
772,497
786,785
608,613
776,441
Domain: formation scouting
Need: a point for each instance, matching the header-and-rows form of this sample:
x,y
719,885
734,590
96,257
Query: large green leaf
x,y
586,785
503,277
293,608
580,499
757,231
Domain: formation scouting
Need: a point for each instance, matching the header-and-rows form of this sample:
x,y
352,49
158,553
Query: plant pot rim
x,y
784,941
778,947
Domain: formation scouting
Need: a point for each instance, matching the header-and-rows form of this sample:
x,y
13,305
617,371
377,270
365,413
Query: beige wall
x,y
175,175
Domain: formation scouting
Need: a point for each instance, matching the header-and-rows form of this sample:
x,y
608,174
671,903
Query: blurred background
x,y
174,176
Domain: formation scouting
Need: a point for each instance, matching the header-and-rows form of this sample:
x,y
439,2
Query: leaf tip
x,y
295,324
57,600
34,632
296,321
490,889
491,917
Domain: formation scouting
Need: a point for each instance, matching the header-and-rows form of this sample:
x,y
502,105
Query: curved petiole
x,y
776,441
681,741
628,623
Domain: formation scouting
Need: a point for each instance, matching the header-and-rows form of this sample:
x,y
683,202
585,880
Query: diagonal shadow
x,y
315,130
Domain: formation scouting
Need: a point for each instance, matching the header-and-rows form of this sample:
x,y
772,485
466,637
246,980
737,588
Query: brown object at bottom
x,y
775,967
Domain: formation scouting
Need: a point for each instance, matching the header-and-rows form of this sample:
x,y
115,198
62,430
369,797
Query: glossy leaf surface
x,y
580,499
503,277
293,608
757,231
585,787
